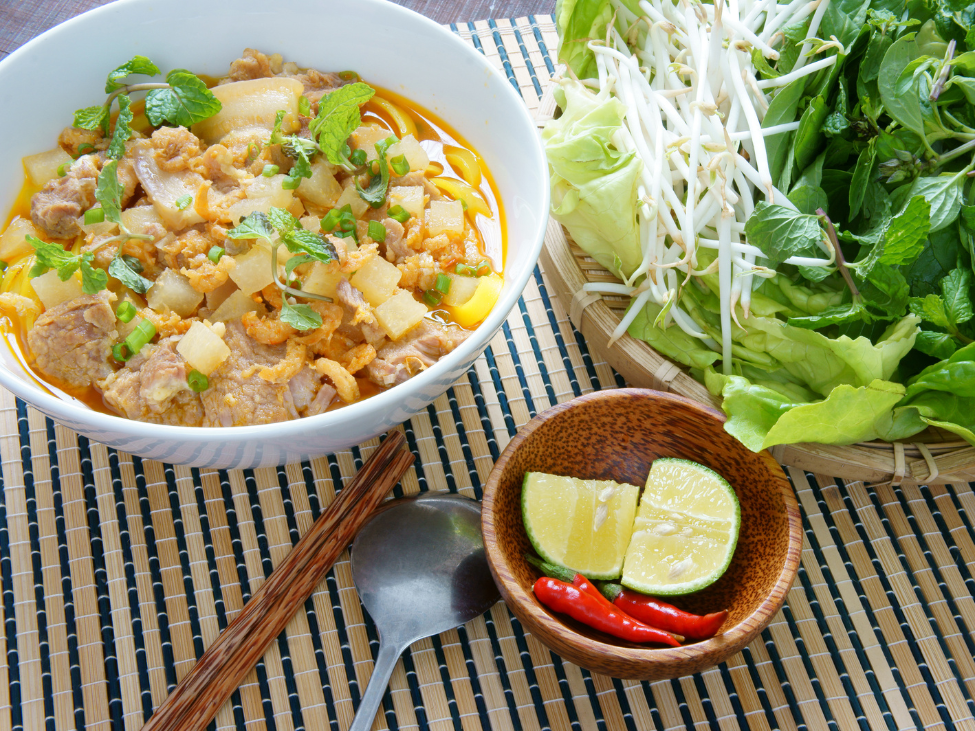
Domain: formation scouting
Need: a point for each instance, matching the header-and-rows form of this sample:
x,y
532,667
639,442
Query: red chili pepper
x,y
661,614
583,607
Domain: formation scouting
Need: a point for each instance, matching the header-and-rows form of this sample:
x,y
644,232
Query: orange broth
x,y
491,233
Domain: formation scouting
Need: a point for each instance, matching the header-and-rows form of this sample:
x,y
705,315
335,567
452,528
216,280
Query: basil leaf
x,y
782,110
50,256
781,232
300,317
338,116
810,132
314,245
877,47
862,174
187,101
762,66
93,279
282,220
836,315
122,271
116,150
109,192
905,109
92,118
135,65
937,345
255,226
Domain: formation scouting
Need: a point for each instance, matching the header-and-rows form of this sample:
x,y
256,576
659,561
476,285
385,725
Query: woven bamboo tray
x,y
934,457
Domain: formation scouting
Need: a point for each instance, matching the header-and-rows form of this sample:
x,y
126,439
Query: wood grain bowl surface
x,y
616,435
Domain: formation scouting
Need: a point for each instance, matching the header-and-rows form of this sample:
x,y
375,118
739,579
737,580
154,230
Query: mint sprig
x,y
338,117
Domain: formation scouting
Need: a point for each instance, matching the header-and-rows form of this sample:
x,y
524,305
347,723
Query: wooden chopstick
x,y
198,697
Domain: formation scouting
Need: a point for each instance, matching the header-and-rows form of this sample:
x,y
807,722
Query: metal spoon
x,y
420,569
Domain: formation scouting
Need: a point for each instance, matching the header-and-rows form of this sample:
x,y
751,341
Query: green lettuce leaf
x,y
594,185
580,21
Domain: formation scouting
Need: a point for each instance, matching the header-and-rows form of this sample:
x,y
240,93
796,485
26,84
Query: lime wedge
x,y
584,525
685,531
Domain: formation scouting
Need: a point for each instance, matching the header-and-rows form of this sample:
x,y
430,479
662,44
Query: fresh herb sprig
x,y
306,246
53,256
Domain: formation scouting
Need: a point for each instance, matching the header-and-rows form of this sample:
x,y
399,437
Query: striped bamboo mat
x,y
116,573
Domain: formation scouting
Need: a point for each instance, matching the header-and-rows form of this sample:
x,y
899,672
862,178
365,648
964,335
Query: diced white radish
x,y
235,306
138,220
415,155
44,165
410,197
262,193
400,314
216,297
321,189
172,292
322,279
253,271
13,242
377,280
445,217
166,188
461,289
203,348
366,137
52,291
350,197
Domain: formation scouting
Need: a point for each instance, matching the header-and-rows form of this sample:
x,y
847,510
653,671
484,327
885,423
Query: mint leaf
x,y
93,279
314,245
338,116
958,302
781,232
930,309
935,344
109,192
808,198
301,168
300,317
276,137
944,194
135,65
295,261
92,118
282,220
116,150
122,271
375,193
51,256
907,232
255,226
885,289
187,101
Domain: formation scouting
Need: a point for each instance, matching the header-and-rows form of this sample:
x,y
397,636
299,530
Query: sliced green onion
x,y
94,215
399,165
358,157
346,234
464,270
84,148
183,202
443,284
134,264
348,76
432,297
3,265
331,220
215,253
197,381
63,169
483,268
347,223
463,204
291,183
126,311
143,333
270,170
304,106
121,353
377,232
399,213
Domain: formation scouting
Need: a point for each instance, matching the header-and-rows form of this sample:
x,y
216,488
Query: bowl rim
x,y
725,644
75,412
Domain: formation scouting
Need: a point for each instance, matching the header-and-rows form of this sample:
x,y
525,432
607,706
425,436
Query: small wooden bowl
x,y
615,435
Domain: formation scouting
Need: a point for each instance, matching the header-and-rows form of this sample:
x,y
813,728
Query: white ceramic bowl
x,y
42,83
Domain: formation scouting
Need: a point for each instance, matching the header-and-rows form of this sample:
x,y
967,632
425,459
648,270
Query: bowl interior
x,y
407,53
616,435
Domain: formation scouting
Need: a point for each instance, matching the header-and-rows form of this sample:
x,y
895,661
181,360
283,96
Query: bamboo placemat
x,y
116,573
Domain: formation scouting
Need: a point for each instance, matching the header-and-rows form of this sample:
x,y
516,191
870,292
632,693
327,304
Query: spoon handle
x,y
379,680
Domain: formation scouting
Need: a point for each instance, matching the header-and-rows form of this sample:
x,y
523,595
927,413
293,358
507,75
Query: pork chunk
x,y
152,387
237,394
361,313
422,347
72,342
57,206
